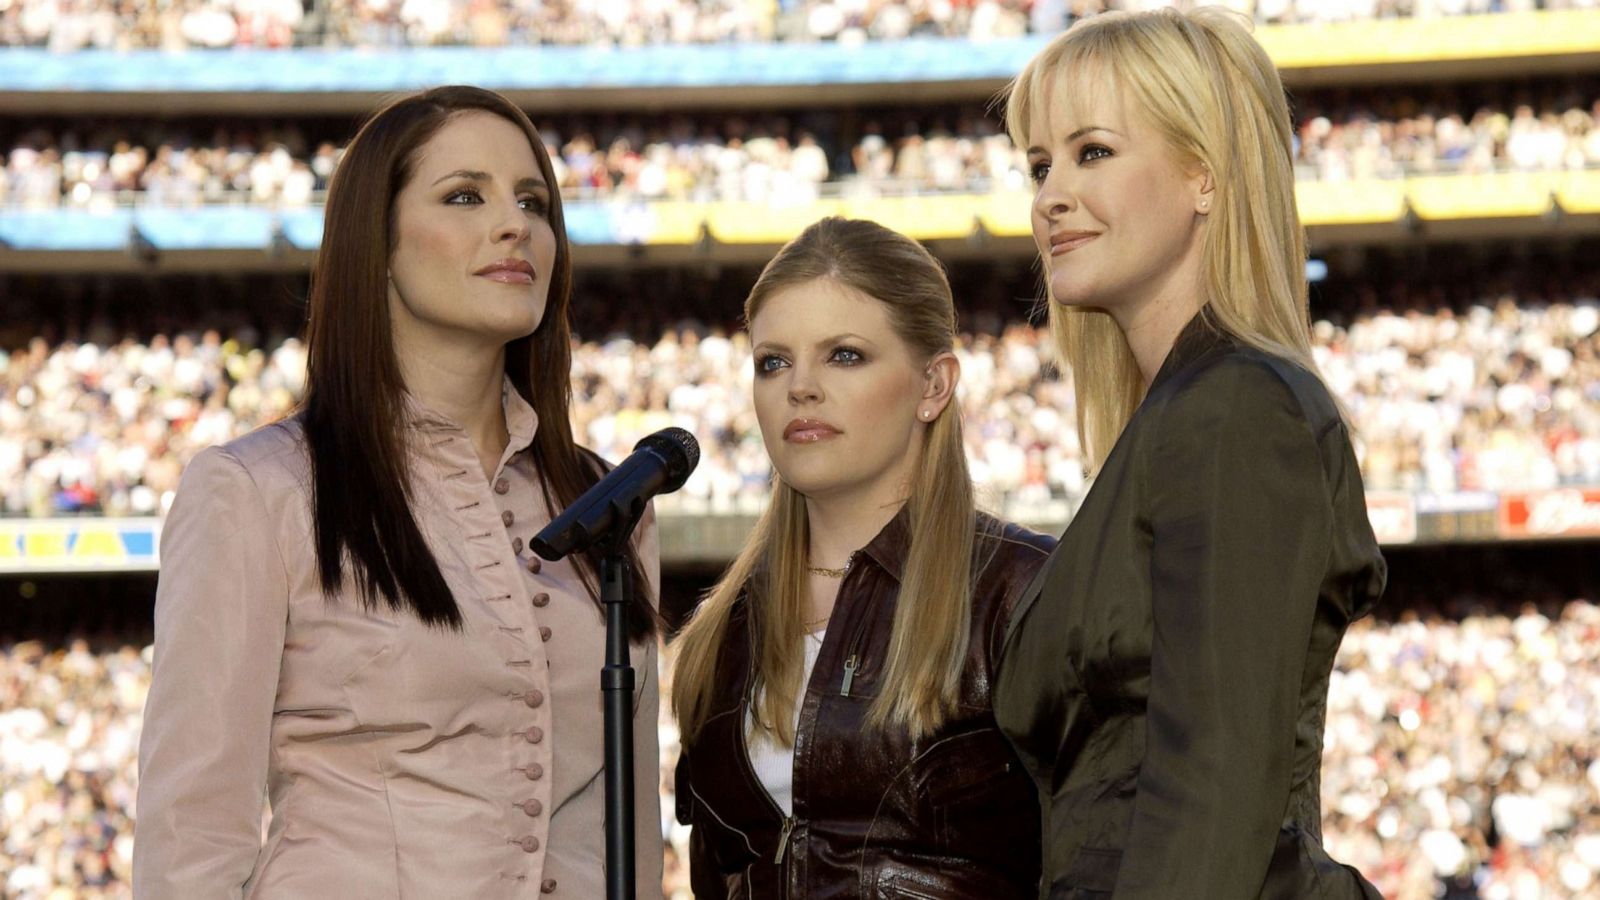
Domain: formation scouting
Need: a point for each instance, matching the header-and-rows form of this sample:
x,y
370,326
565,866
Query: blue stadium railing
x,y
220,228
516,68
1557,41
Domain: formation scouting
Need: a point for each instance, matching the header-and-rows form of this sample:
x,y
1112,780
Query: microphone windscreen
x,y
680,451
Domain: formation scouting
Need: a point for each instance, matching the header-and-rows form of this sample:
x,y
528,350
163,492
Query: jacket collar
x,y
522,422
888,548
1198,338
891,545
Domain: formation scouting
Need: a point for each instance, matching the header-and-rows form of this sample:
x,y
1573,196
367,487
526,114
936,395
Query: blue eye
x,y
1037,171
766,365
1092,152
848,356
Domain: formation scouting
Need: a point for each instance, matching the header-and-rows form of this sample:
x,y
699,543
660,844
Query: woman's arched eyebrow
x,y
530,183
1081,132
842,337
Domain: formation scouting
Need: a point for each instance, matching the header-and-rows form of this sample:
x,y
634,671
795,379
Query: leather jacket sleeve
x,y
705,877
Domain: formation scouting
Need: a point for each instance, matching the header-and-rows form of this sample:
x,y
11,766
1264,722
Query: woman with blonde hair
x,y
1165,679
833,688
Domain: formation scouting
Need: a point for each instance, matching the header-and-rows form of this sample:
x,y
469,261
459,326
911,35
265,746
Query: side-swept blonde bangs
x,y
1201,81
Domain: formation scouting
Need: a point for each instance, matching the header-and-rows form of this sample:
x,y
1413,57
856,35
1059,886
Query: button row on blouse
x,y
507,516
533,698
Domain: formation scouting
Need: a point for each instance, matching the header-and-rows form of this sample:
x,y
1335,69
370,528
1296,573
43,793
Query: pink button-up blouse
x,y
399,760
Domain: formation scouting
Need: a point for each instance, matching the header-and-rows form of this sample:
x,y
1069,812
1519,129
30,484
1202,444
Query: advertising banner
x,y
1573,512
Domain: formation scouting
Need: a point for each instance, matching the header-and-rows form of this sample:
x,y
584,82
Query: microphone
x,y
659,464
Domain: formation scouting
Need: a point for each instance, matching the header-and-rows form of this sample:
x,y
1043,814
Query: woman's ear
x,y
939,387
1204,187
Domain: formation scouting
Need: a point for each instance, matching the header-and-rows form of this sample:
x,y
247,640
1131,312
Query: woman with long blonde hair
x,y
833,688
1165,680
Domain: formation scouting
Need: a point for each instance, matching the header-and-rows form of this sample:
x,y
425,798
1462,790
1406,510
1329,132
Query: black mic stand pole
x,y
616,689
610,510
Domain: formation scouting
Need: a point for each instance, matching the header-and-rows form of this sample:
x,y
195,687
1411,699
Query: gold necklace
x,y
826,572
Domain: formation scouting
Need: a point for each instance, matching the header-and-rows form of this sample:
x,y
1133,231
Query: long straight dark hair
x,y
354,412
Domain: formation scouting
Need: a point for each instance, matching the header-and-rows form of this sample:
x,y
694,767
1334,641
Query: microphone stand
x,y
616,689
604,517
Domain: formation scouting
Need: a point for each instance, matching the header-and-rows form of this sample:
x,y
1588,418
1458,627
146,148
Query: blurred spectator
x,y
68,25
1500,397
772,160
1437,410
69,733
1461,760
1396,137
101,168
107,428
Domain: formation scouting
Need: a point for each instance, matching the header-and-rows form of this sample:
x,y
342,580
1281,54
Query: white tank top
x,y
774,764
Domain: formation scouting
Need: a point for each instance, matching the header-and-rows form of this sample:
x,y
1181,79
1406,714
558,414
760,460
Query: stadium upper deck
x,y
831,76
588,77
763,75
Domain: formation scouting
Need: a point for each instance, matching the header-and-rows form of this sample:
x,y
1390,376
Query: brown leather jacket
x,y
876,814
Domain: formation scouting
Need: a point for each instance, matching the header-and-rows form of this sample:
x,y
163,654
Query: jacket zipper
x,y
744,753
852,662
783,839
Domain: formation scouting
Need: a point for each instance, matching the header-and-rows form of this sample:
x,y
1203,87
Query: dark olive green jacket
x,y
1165,677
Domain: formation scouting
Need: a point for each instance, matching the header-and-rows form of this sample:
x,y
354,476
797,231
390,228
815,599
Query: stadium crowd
x,y
69,735
69,25
1398,136
779,160
1498,396
1462,758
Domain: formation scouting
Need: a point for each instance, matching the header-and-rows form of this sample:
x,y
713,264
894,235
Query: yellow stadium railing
x,y
929,217
1418,40
1579,192
1351,202
752,222
1501,195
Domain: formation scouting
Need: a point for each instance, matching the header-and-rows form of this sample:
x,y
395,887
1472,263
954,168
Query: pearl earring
x,y
927,414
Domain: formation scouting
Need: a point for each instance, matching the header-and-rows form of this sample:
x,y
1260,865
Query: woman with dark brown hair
x,y
349,624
